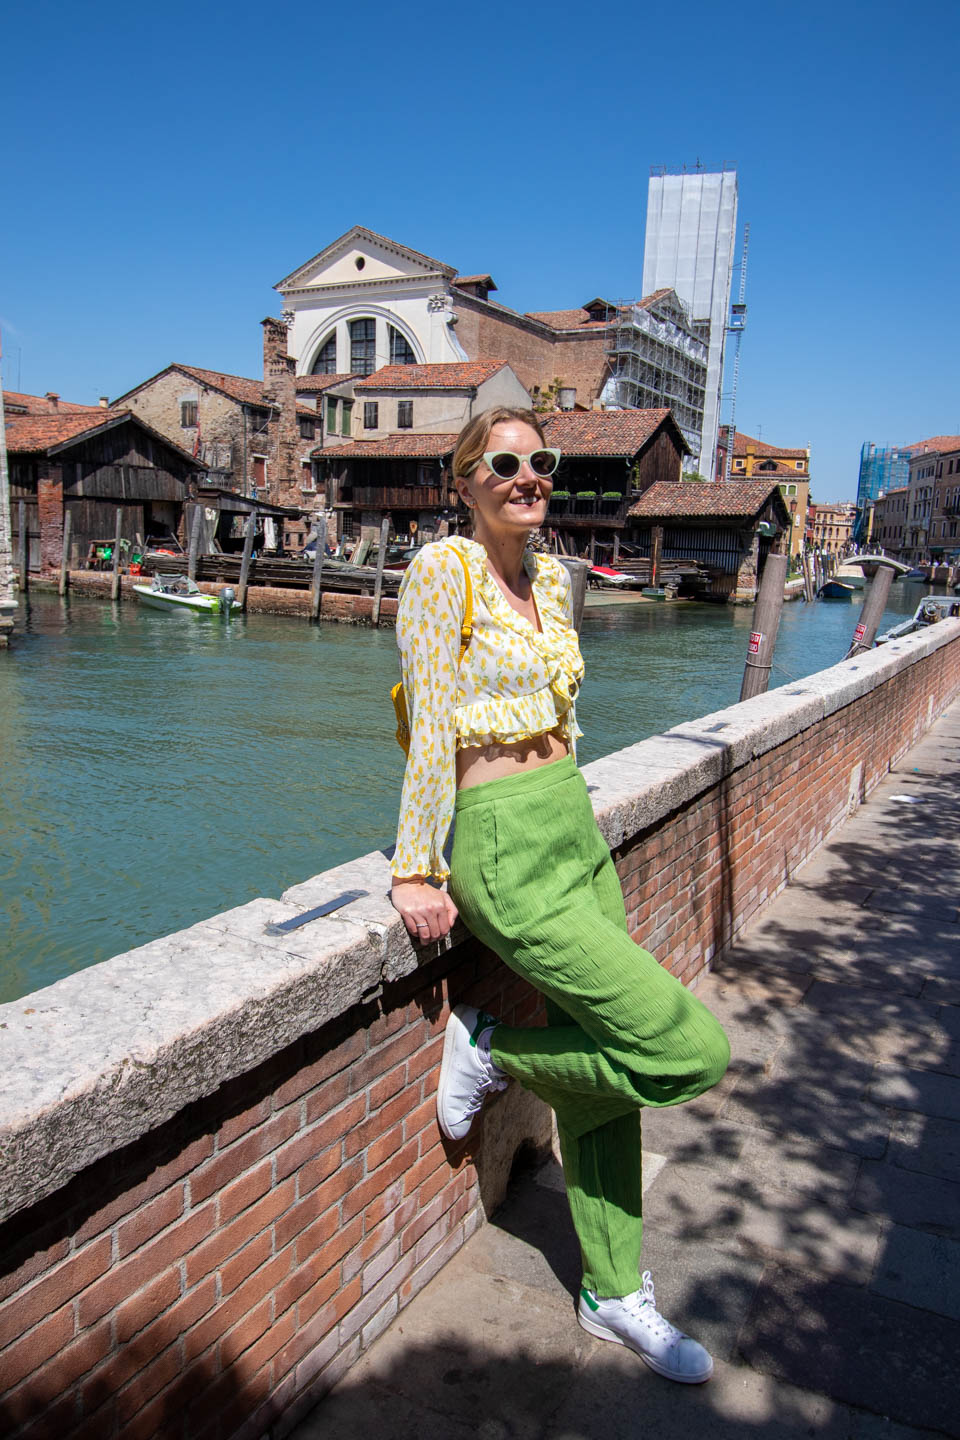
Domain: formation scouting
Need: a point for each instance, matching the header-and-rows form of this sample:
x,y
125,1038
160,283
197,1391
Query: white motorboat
x,y
179,592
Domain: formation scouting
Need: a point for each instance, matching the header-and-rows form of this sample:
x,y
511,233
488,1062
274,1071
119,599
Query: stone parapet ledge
x,y
100,1058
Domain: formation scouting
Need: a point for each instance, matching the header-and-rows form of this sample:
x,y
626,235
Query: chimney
x,y
104,402
52,399
567,397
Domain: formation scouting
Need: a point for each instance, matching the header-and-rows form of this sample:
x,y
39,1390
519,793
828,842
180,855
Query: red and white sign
x,y
756,640
859,633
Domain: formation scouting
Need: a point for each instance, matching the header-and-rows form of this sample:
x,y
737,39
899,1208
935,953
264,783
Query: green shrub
x,y
611,495
586,494
560,495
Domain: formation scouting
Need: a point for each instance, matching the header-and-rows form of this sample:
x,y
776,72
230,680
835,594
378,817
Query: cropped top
x,y
515,682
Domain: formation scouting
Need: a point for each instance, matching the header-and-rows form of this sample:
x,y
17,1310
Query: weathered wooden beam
x,y
766,623
381,558
23,577
115,581
195,527
65,552
248,535
872,612
316,584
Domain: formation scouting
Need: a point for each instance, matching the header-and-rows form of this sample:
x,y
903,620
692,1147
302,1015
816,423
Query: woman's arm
x,y
432,600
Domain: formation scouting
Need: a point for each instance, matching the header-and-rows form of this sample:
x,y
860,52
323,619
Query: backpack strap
x,y
466,625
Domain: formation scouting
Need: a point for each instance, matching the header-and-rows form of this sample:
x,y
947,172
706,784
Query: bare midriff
x,y
479,763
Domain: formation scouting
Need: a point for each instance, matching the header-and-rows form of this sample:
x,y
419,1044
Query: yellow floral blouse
x,y
515,681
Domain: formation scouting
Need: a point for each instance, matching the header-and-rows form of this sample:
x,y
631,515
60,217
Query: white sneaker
x,y
635,1321
467,1074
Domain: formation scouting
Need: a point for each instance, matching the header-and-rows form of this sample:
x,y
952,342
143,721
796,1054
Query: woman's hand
x,y
427,912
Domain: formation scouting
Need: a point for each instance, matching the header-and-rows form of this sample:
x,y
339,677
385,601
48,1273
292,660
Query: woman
x,y
493,738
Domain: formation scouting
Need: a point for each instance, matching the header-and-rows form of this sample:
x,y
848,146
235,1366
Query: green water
x,y
159,768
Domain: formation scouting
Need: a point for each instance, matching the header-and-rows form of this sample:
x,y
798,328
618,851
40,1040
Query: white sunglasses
x,y
506,464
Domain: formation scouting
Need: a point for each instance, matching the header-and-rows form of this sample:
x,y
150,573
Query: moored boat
x,y
179,592
836,590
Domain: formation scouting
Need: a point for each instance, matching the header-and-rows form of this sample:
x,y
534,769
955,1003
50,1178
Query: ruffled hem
x,y
501,721
403,865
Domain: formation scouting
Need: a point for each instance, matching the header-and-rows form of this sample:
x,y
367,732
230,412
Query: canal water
x,y
159,768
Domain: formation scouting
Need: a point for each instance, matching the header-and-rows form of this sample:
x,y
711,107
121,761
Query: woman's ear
x,y
463,491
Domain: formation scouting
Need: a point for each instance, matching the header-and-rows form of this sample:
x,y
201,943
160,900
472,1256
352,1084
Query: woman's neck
x,y
505,555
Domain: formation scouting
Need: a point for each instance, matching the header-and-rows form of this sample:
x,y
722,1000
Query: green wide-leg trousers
x,y
533,878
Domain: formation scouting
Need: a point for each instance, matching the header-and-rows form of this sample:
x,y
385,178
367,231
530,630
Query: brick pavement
x,y
802,1220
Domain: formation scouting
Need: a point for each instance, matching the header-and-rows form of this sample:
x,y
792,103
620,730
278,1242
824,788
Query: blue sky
x,y
164,167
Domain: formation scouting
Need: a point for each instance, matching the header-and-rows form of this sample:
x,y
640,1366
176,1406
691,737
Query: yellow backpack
x,y
399,696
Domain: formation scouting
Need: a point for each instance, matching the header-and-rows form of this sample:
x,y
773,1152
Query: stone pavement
x,y
802,1220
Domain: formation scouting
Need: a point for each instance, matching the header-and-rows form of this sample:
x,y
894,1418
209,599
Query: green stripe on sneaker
x,y
585,1295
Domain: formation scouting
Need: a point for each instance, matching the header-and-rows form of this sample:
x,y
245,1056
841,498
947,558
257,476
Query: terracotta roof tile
x,y
29,434
307,384
475,280
939,443
602,432
457,375
742,442
392,447
40,405
739,498
578,319
238,387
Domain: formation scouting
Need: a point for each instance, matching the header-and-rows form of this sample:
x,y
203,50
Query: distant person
x,y
532,875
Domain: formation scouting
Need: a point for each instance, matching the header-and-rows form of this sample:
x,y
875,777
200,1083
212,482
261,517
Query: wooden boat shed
x,y
729,529
92,462
609,457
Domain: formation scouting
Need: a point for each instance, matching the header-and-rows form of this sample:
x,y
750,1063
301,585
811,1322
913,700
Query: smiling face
x,y
507,507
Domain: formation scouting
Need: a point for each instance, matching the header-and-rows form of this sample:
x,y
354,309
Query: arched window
x,y
326,361
400,350
768,465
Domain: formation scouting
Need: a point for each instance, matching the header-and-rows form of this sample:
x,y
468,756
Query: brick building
x,y
254,436
831,526
886,526
927,531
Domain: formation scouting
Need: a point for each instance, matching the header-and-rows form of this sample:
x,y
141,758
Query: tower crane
x,y
738,321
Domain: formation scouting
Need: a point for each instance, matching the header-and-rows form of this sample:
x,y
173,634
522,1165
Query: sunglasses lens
x,y
542,462
505,464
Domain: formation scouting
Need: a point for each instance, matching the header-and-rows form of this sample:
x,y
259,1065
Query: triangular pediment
x,y
362,255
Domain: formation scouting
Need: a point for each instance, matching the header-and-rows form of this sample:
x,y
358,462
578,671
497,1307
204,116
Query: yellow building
x,y
755,459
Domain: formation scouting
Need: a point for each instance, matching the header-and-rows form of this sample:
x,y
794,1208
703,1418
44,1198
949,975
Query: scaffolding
x,y
658,360
882,468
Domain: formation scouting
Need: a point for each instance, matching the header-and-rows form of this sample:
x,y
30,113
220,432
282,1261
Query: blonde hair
x,y
474,438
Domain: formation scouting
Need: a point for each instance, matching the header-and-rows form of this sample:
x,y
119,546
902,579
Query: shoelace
x,y
484,1085
643,1304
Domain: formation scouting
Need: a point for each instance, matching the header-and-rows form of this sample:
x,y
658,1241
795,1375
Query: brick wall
x,y
261,599
212,1276
536,355
244,1253
50,515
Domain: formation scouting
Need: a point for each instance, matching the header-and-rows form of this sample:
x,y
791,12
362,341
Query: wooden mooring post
x,y
656,550
766,623
65,553
808,590
381,558
248,534
316,584
873,608
23,574
195,525
115,579
578,571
